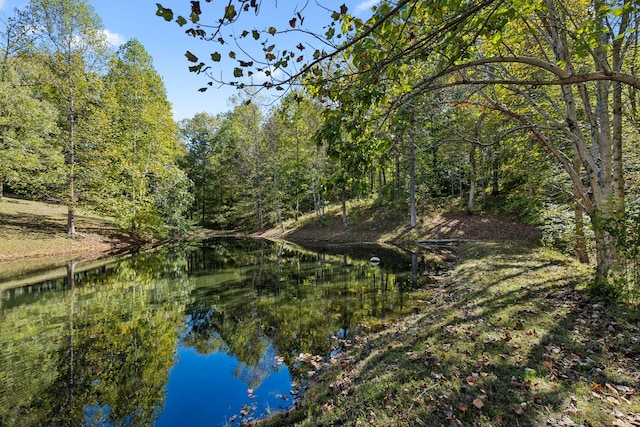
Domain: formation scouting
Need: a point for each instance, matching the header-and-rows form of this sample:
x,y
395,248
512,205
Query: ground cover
x,y
33,236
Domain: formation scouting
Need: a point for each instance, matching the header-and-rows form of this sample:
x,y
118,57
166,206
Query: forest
x,y
522,108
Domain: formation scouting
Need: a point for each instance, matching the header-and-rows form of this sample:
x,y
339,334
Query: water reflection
x,y
205,334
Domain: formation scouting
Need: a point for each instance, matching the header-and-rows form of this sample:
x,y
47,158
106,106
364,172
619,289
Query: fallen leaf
x,y
516,408
612,389
613,401
462,407
478,403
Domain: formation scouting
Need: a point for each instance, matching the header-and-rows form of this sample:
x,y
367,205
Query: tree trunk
x,y
472,179
71,206
276,205
344,205
71,158
581,243
396,194
495,166
412,183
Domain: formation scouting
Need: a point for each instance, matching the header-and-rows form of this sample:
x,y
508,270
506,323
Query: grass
x,y
509,339
33,235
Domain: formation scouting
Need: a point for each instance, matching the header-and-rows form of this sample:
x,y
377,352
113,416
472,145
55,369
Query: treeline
x,y
253,169
84,125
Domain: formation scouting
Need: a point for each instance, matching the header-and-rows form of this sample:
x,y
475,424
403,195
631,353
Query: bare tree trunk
x,y
71,206
581,243
412,183
495,187
71,159
344,205
276,205
472,179
396,186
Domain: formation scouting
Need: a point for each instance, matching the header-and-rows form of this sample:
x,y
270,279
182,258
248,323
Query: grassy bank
x,y
33,236
510,338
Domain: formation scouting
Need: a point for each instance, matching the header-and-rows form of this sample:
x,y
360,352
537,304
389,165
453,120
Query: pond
x,y
218,332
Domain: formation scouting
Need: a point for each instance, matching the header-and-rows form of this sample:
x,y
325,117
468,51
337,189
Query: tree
x,y
199,136
140,150
241,132
28,161
70,44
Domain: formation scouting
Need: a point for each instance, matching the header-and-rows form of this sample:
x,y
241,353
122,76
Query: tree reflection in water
x,y
116,345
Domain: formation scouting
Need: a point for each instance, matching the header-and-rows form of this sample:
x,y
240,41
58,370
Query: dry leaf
x,y
478,403
462,407
516,408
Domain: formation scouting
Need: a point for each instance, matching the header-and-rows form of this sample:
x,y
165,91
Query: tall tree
x,y
199,135
141,148
70,42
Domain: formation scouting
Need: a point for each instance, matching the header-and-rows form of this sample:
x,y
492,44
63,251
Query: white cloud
x,y
261,76
114,39
366,5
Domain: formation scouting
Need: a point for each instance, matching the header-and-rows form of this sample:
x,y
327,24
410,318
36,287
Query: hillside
x,y
33,236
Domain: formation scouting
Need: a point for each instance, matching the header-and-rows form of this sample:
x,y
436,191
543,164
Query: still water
x,y
218,332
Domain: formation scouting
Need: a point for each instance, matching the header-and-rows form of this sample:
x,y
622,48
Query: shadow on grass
x,y
511,339
51,226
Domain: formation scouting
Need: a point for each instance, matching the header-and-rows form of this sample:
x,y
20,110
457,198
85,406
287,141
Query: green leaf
x,y
237,72
232,55
244,34
167,14
255,34
194,17
215,56
181,21
230,12
330,33
272,31
191,57
196,68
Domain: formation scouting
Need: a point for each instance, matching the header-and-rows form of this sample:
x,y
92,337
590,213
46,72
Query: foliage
x,y
69,45
563,89
29,160
626,230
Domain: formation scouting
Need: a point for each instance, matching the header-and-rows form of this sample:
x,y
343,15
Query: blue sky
x,y
166,42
